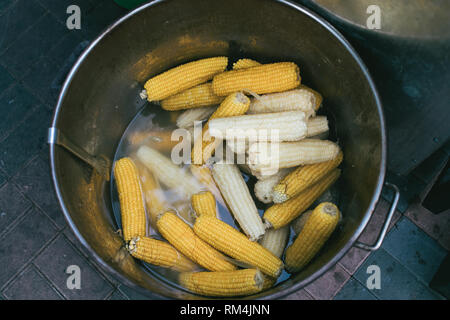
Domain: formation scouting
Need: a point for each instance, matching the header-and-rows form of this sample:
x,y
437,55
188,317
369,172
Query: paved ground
x,y
36,52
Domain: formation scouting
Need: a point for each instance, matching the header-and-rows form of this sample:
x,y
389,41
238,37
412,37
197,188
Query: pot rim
x,y
294,287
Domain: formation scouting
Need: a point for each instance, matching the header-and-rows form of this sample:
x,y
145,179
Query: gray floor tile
x,y
100,18
29,48
76,243
16,103
397,282
25,141
414,249
30,285
40,81
67,50
22,242
62,255
354,290
326,287
73,239
35,182
59,7
45,78
117,295
12,205
6,79
435,225
132,294
19,17
353,259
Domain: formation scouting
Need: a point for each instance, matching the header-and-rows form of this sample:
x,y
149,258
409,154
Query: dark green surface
x,y
397,282
414,249
129,4
441,281
354,290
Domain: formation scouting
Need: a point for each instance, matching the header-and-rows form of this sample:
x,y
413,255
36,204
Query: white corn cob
x,y
168,173
299,222
266,155
238,146
297,99
281,126
260,175
236,194
188,117
318,99
316,126
275,240
264,186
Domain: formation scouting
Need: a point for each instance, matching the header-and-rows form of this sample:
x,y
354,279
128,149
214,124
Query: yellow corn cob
x,y
204,203
204,176
293,100
268,283
184,77
318,228
266,78
236,194
318,99
264,187
230,241
281,214
245,63
188,117
316,126
168,173
153,194
262,155
159,253
198,96
234,105
303,177
298,223
223,283
281,126
181,236
275,240
131,200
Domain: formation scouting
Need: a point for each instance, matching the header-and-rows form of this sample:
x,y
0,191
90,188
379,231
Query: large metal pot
x,y
100,97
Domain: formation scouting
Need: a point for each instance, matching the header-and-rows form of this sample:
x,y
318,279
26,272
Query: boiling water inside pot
x,y
150,127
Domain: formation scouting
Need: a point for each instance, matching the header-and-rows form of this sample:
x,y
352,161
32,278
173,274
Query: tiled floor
x,y
36,52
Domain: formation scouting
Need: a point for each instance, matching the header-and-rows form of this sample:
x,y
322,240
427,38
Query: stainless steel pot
x,y
100,97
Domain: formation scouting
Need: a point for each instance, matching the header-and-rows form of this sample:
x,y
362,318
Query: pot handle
x,y
385,227
99,163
